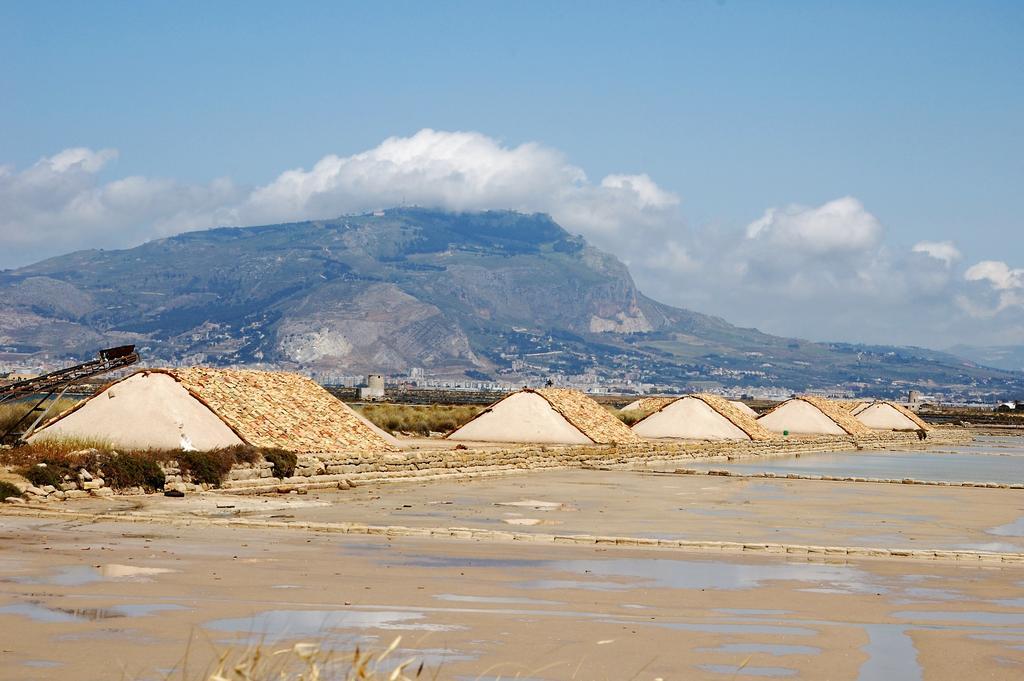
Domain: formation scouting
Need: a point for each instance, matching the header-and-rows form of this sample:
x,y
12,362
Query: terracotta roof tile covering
x,y
906,412
851,406
278,409
835,412
651,403
740,419
588,416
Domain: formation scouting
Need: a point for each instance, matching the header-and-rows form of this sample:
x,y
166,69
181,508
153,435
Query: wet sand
x,y
142,592
636,504
72,606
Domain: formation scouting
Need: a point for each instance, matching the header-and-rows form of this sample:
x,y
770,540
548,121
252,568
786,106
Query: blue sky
x,y
734,108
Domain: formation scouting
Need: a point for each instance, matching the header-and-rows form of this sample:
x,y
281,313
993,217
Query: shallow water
x,y
78,575
891,654
278,625
970,617
735,671
72,575
958,467
689,574
773,649
42,613
1014,529
459,598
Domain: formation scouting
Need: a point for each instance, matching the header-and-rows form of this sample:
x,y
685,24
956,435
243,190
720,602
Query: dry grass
x,y
11,413
419,420
309,662
629,417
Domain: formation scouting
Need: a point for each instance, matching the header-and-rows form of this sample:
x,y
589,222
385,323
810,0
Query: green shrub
x,y
241,453
206,467
133,469
284,462
8,490
43,474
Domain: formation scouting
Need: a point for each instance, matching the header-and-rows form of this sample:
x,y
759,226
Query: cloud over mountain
x,y
825,271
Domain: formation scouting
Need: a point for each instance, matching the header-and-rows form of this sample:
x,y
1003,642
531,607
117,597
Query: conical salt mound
x,y
884,415
701,417
205,408
812,416
545,416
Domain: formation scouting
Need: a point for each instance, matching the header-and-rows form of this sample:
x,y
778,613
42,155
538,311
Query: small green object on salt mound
x,y
785,432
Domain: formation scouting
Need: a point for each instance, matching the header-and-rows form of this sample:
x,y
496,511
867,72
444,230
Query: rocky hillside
x,y
494,293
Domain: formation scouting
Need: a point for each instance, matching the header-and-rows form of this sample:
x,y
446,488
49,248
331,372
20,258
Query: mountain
x,y
491,294
1009,357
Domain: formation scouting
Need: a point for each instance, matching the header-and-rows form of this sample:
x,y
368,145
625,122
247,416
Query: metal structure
x,y
56,383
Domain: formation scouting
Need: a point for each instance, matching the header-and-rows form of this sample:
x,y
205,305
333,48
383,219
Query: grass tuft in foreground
x,y
309,662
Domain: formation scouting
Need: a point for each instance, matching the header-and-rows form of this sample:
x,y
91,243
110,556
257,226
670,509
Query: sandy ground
x,y
108,600
84,599
625,503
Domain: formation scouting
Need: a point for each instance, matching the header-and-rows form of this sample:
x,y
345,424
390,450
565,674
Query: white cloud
x,y
1000,275
453,170
946,251
60,204
837,226
1005,290
821,271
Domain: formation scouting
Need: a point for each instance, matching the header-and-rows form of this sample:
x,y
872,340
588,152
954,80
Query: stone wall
x,y
321,471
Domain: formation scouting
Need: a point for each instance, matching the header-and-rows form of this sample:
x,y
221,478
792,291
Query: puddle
x,y
573,584
997,546
971,616
664,573
74,575
737,671
42,664
1014,529
681,574
953,466
750,611
38,613
78,575
711,628
277,625
432,658
42,613
891,654
537,505
916,594
459,598
773,649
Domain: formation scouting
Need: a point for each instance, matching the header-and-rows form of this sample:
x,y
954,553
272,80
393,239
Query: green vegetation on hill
x,y
450,292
